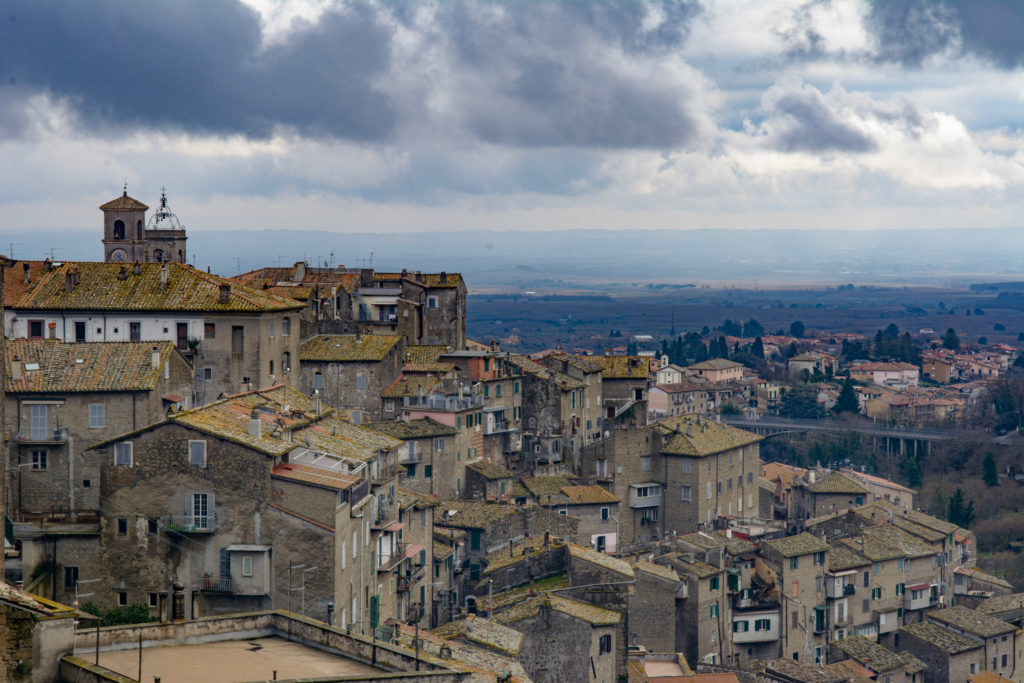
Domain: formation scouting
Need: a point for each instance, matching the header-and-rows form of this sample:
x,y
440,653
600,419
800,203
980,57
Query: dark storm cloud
x,y
804,122
909,31
198,65
525,73
544,74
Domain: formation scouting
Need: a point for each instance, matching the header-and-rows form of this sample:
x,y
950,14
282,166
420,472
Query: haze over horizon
x,y
358,117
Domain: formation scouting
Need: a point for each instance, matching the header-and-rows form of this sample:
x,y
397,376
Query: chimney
x,y
123,273
444,278
137,268
316,401
16,370
254,424
224,295
810,476
299,271
47,265
25,276
164,275
70,279
689,429
154,361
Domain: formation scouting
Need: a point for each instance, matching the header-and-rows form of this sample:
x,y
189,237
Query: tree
x,y
757,348
989,472
950,340
914,475
960,514
847,401
801,401
797,329
752,328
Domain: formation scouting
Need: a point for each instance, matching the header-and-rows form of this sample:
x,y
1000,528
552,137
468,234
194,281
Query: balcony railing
x,y
43,436
191,524
214,584
408,582
410,458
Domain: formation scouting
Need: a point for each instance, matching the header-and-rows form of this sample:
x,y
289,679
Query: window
x,y
246,565
487,391
86,483
899,563
867,579
134,332
713,583
515,387
762,624
877,568
428,471
431,302
604,644
795,589
794,563
154,600
686,464
122,599
410,471
199,510
123,454
1004,659
750,478
151,525
686,493
819,558
286,361
709,490
357,417
70,578
197,453
974,667
35,329
718,488
122,526
210,330
39,422
361,382
286,327
645,463
97,416
318,383
79,331
438,445
39,460
604,510
729,482
714,611
270,330
206,374
740,626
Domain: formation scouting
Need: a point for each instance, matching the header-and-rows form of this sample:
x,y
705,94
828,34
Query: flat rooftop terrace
x,y
233,661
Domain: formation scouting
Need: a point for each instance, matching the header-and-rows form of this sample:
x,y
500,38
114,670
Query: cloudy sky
x,y
396,116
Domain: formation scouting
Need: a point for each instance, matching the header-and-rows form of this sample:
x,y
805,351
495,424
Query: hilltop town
x,y
321,449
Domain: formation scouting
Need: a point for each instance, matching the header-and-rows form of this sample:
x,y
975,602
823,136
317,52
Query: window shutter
x,y
190,507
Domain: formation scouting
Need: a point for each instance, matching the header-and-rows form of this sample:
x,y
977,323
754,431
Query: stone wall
x,y
652,613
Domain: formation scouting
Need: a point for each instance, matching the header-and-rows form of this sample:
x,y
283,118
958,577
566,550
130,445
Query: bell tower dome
x,y
124,226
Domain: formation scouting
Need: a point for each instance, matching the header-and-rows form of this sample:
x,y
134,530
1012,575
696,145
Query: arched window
x,y
181,256
318,380
158,255
138,226
118,230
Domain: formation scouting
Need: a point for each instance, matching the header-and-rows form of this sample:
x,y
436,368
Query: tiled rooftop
x,y
622,367
423,428
873,548
471,514
899,539
655,569
124,203
596,616
687,564
432,280
869,653
412,385
483,631
423,353
347,348
489,470
317,476
804,671
589,495
842,557
685,435
801,544
999,604
942,638
834,482
188,289
911,664
715,364
971,621
85,366
707,540
579,552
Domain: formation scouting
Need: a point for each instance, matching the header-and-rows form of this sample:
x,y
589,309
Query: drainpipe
x,y
71,476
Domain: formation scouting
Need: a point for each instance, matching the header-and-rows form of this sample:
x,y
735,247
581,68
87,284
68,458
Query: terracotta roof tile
x,y
85,366
424,353
412,385
471,514
972,621
596,616
836,483
801,544
100,288
423,428
622,367
347,347
124,203
318,476
685,435
589,495
869,653
490,470
942,638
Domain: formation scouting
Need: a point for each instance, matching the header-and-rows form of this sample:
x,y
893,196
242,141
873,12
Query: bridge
x,y
890,437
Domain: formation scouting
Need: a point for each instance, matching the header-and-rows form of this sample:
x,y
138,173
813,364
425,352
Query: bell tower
x,y
124,226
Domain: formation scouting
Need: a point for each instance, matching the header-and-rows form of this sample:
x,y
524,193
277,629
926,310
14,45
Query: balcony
x,y
921,596
408,582
191,524
836,586
214,584
410,458
645,495
52,437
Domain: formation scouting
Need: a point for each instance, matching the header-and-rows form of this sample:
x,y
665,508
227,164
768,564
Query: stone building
x,y
235,337
624,383
176,510
62,398
882,663
564,639
1001,640
596,509
703,617
486,481
351,371
949,655
34,634
652,607
823,493
490,375
797,565
127,237
436,455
